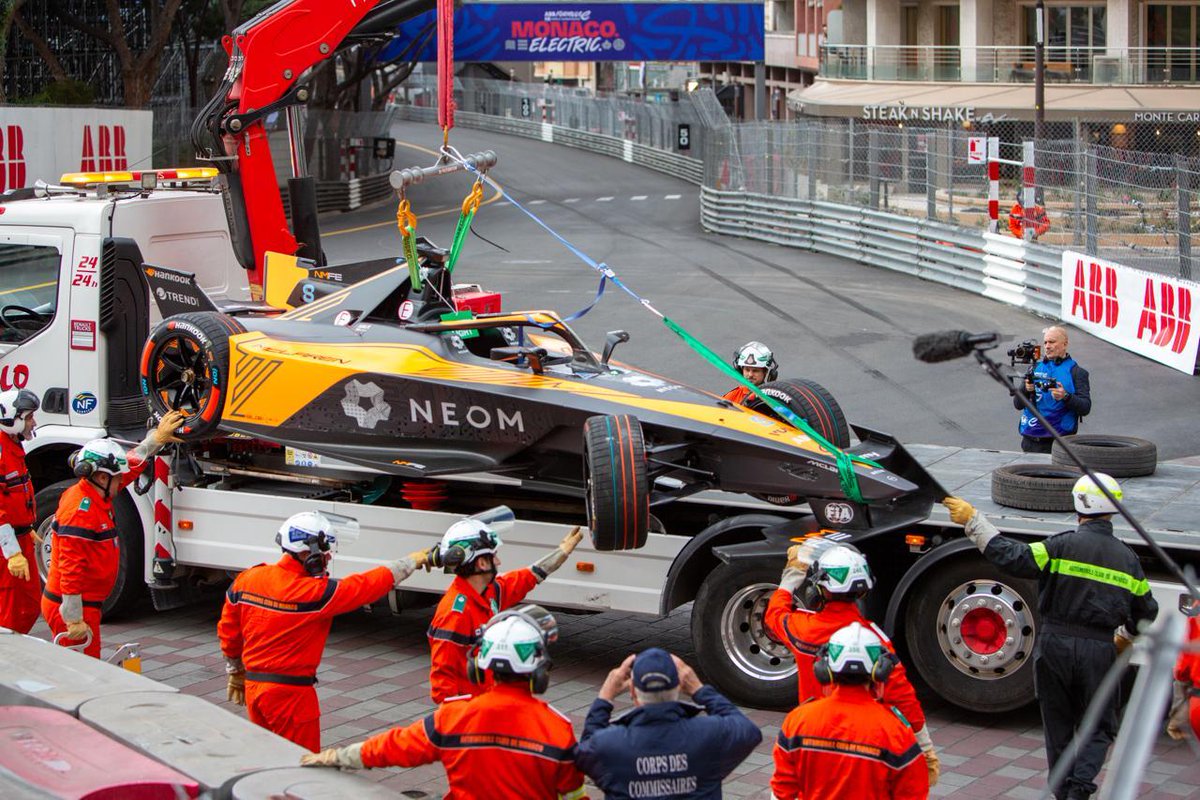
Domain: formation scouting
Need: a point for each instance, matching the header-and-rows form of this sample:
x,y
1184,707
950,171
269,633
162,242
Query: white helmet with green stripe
x,y
515,641
1090,501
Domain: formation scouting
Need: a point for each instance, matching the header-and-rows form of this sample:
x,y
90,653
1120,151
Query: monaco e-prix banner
x,y
1150,314
595,32
42,143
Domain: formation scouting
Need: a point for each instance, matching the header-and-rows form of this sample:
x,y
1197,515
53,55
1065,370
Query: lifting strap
x,y
445,67
469,206
406,220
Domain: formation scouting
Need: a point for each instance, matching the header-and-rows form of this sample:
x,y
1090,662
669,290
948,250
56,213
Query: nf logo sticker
x,y
84,403
839,513
343,319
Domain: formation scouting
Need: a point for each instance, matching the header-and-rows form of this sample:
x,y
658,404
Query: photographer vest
x,y
1047,374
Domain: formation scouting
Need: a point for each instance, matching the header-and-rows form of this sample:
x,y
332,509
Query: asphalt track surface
x,y
847,326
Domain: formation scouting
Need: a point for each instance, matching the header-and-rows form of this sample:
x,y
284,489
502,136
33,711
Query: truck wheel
x,y
130,585
618,492
970,630
810,401
184,367
735,651
1118,456
1036,487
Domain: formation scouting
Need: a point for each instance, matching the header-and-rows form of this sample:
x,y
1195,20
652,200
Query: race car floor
x,y
375,676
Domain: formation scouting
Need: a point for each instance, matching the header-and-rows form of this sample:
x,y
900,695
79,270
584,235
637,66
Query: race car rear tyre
x,y
185,366
969,630
810,401
618,491
736,652
1035,487
1118,456
129,587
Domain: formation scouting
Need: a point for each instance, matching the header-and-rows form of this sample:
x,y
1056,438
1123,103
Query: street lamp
x,y
1039,72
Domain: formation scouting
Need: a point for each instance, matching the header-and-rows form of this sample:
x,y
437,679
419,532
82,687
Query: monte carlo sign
x,y
1153,315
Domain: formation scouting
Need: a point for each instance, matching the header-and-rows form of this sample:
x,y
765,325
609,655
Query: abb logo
x,y
12,157
16,377
1095,294
103,151
1167,322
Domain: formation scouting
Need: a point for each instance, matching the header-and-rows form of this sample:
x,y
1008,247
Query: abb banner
x,y
43,143
1150,314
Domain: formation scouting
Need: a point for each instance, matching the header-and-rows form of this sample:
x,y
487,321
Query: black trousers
x,y
1030,444
1067,673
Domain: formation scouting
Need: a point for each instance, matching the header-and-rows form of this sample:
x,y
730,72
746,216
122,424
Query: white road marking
x,y
603,199
530,261
672,197
638,197
571,200
535,202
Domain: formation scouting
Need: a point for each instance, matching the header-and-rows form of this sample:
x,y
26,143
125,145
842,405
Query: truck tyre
x,y
1035,487
1118,456
810,401
618,492
130,585
969,630
185,365
735,651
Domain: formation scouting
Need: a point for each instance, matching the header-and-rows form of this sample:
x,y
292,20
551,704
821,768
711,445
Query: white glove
x,y
8,541
349,757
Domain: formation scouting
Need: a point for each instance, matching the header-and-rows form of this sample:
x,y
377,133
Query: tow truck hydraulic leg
x,y
163,568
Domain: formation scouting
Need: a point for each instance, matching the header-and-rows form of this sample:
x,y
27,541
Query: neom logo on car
x,y
83,403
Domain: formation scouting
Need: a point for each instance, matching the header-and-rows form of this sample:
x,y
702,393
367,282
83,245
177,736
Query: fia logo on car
x,y
839,513
84,403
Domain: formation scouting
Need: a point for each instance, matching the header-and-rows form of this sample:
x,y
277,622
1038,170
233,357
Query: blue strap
x,y
591,305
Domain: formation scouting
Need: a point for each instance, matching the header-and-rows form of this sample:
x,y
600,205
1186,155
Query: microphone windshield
x,y
942,346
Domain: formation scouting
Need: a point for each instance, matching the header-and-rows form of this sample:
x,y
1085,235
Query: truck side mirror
x,y
611,340
1188,605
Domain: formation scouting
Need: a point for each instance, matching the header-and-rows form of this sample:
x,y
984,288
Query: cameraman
x,y
1060,389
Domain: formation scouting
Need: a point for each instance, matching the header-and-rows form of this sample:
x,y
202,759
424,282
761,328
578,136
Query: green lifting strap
x,y
414,261
460,237
845,461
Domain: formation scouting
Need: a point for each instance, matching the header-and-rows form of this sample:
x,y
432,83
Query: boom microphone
x,y
945,345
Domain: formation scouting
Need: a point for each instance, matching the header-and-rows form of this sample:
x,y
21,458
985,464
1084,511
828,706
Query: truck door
x,y
34,286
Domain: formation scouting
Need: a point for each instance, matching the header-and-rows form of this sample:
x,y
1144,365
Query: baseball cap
x,y
654,671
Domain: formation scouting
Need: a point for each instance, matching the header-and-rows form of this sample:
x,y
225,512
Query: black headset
x,y
455,556
314,559
884,665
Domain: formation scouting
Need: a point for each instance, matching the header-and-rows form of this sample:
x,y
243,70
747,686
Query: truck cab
x,y
74,308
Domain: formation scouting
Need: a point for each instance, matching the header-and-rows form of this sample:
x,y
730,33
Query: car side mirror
x,y
611,340
535,357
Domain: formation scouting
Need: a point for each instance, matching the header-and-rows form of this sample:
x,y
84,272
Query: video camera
x,y
1027,352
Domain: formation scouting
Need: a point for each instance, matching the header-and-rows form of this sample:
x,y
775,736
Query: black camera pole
x,y
994,369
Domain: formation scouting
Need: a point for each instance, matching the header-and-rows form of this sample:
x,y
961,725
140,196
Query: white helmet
x,y
756,354
515,641
1090,501
475,536
15,406
99,455
300,532
855,651
842,570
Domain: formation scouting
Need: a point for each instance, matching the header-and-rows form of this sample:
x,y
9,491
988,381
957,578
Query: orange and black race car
x,y
405,382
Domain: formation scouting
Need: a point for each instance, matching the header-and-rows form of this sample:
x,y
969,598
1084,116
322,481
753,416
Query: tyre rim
x,y
181,377
746,640
44,549
986,629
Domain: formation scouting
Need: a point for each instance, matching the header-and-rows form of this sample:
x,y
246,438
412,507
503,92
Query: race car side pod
x,y
845,461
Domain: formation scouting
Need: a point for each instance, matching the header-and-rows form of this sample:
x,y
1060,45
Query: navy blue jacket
x,y
668,749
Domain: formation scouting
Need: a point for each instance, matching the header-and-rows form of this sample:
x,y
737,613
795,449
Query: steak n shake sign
x,y
904,113
1152,315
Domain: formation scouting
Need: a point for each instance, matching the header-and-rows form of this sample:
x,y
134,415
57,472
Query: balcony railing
x,y
1128,66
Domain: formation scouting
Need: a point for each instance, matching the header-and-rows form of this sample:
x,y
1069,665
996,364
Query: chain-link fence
x,y
1134,207
654,124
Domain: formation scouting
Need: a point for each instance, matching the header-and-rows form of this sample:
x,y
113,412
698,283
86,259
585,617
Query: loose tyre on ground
x,y
735,651
969,632
1118,456
810,401
618,491
130,585
1035,487
185,366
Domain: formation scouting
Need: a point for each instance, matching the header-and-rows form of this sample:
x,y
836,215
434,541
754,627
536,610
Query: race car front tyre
x,y
810,401
185,366
618,491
